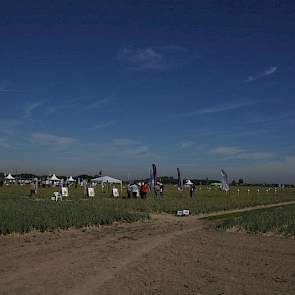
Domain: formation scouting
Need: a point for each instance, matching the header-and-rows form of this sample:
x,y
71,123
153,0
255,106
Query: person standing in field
x,y
33,189
128,191
36,186
156,190
145,190
141,190
134,190
192,190
161,190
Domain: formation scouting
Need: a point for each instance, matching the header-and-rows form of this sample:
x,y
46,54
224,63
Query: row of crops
x,y
279,219
24,215
21,213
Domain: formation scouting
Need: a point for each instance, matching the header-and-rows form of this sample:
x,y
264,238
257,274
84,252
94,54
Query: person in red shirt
x,y
145,190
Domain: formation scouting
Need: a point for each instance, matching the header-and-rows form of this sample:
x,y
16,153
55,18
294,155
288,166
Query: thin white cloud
x,y
51,139
8,125
4,143
103,125
140,150
265,73
97,103
253,156
124,141
186,144
142,58
237,153
79,104
30,108
218,109
5,88
155,57
130,147
226,151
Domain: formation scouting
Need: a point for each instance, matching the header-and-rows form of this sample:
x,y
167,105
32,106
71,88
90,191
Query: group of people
x,y
142,190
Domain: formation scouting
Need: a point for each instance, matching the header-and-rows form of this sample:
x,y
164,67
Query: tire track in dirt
x,y
161,256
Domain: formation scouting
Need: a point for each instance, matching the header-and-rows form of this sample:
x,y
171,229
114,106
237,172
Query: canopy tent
x,y
71,179
9,177
107,179
188,182
54,178
216,184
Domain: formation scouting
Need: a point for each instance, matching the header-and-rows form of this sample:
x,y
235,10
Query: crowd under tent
x,y
9,177
216,184
54,178
107,180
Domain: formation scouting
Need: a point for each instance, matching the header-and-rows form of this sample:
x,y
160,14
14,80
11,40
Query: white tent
x,y
54,178
107,179
71,179
9,177
188,182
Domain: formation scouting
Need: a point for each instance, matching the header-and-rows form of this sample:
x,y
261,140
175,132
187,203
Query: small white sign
x,y
56,196
91,192
185,212
64,191
115,192
182,213
179,213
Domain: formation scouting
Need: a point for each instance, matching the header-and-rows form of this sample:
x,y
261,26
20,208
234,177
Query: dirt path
x,y
167,255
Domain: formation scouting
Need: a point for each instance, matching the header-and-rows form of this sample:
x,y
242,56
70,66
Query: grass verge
x,y
280,220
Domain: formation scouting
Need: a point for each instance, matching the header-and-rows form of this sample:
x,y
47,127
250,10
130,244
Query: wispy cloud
x,y
98,103
272,118
186,144
140,150
5,88
4,143
237,153
130,147
226,151
124,141
7,91
154,57
103,125
143,58
265,73
30,108
51,139
79,104
218,109
8,125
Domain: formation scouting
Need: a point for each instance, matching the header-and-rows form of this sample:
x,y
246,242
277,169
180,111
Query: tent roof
x,y
9,177
54,178
106,179
71,179
188,182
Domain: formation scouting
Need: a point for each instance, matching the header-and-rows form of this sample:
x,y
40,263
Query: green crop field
x,y
279,219
21,213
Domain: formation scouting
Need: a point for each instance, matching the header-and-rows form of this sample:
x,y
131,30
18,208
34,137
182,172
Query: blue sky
x,y
87,85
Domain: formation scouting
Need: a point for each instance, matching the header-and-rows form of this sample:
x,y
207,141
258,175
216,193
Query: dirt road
x,y
166,255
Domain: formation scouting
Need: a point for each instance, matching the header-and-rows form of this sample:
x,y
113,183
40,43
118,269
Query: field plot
x,y
21,213
164,255
280,220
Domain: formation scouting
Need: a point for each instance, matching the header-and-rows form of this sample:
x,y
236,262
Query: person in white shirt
x,y
134,190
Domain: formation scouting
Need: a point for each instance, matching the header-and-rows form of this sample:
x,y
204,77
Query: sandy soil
x,y
167,255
